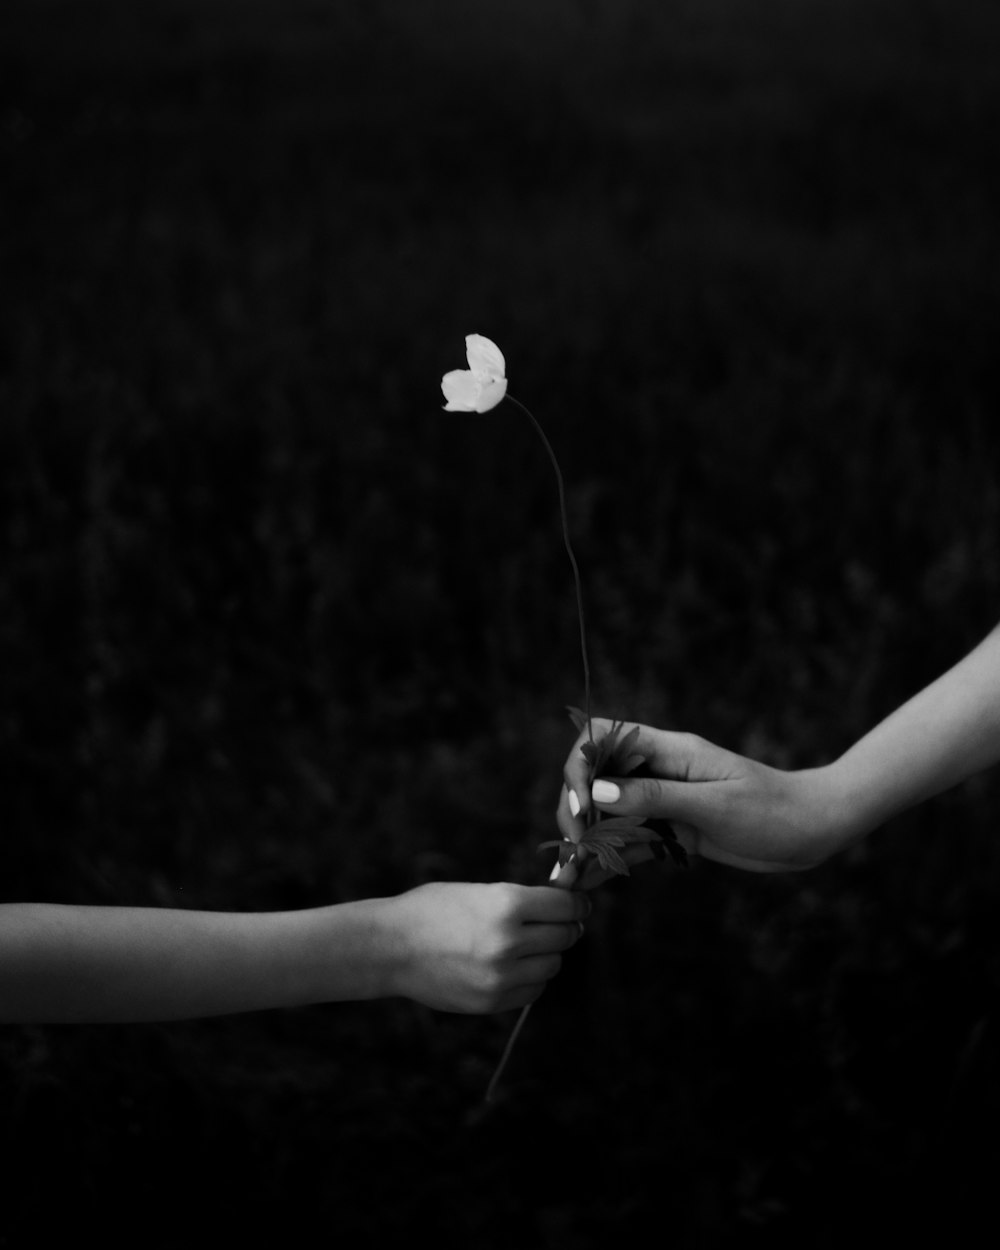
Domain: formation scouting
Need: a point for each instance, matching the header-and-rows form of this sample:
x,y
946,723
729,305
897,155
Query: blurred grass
x,y
277,631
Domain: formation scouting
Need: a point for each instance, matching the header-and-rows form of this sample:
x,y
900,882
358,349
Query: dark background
x,y
276,631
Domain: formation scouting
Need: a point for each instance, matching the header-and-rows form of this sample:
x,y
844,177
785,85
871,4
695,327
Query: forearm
x,y
944,734
75,964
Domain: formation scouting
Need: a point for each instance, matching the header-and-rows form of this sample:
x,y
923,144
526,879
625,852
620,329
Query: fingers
x,y
668,754
678,756
570,826
547,939
534,970
652,797
670,757
551,921
565,875
544,904
520,996
577,770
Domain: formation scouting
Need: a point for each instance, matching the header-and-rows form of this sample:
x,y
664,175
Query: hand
x,y
483,948
720,805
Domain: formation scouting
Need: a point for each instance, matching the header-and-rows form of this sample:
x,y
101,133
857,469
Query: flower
x,y
480,387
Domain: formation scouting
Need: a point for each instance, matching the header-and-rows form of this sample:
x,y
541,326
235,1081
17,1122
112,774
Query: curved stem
x,y
495,1080
569,551
564,879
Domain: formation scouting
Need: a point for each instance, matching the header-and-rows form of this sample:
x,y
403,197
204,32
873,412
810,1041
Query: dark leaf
x,y
621,822
677,852
627,744
594,840
633,762
610,860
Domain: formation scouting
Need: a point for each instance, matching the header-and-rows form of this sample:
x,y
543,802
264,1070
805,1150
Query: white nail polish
x,y
574,804
605,792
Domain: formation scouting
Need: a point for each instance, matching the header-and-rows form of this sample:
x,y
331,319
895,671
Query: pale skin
x,y
451,946
736,811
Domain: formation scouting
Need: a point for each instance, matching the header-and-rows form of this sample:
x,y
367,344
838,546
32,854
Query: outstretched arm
x,y
944,734
456,947
737,811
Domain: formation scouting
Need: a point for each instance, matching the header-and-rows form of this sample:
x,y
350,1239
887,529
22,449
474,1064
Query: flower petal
x,y
485,357
462,390
491,393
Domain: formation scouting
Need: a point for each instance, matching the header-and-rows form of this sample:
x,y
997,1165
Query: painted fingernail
x,y
605,792
574,804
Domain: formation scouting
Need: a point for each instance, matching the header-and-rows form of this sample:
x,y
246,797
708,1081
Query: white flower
x,y
480,387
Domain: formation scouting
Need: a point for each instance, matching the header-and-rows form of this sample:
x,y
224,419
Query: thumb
x,y
648,796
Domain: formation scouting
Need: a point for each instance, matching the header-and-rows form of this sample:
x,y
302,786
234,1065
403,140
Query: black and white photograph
x,y
499,623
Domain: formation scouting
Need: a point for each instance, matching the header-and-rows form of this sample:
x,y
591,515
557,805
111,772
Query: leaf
x,y
578,718
677,853
610,860
625,746
670,843
633,762
621,822
611,755
599,840
600,752
622,835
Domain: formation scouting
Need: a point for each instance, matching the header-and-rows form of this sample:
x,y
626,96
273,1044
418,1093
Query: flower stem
x,y
569,551
564,880
495,1079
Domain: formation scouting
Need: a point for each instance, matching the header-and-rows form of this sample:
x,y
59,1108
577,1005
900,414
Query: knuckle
x,y
495,949
506,902
492,985
647,791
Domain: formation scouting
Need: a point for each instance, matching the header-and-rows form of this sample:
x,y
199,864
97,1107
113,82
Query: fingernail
x,y
565,875
605,792
574,804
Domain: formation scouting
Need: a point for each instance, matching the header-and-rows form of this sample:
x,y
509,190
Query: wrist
x,y
348,952
840,811
388,946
